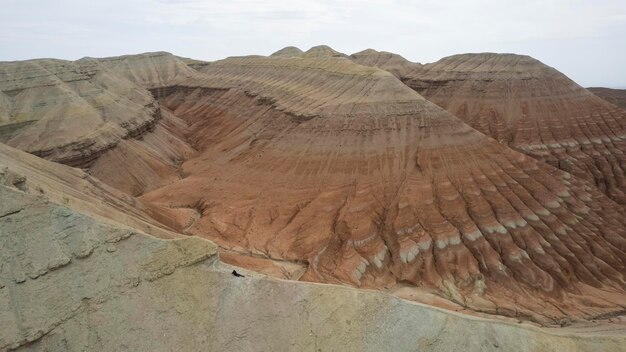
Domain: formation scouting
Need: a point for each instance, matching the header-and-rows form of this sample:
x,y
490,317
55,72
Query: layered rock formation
x,y
75,188
323,160
69,282
534,109
394,63
76,112
315,160
613,96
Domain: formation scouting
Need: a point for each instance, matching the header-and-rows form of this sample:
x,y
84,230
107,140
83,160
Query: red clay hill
x,y
530,107
311,158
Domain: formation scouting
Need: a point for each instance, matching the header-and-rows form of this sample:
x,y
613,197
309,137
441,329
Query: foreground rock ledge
x,y
69,282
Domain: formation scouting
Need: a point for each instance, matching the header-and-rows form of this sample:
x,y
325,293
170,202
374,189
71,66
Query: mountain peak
x,y
323,50
288,51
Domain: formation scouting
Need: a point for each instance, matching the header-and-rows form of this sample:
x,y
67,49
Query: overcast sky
x,y
586,40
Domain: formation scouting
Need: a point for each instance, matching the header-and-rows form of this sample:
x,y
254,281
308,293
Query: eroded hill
x,y
312,158
530,107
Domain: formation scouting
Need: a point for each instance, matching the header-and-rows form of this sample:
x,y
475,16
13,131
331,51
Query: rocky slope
x,y
112,288
317,161
613,96
73,187
76,112
534,109
343,166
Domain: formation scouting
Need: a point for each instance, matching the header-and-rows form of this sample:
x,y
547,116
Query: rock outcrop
x,y
71,283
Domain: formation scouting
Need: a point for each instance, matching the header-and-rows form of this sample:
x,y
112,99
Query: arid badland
x,y
474,203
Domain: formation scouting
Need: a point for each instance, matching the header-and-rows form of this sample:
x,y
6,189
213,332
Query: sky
x,y
586,40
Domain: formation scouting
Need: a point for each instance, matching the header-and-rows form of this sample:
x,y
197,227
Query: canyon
x,y
482,188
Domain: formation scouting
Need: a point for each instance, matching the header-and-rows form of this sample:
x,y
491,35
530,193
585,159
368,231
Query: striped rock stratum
x,y
311,158
530,107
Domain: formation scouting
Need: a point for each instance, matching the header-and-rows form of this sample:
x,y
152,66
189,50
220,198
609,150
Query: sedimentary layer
x,y
534,109
111,288
314,160
343,166
75,112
